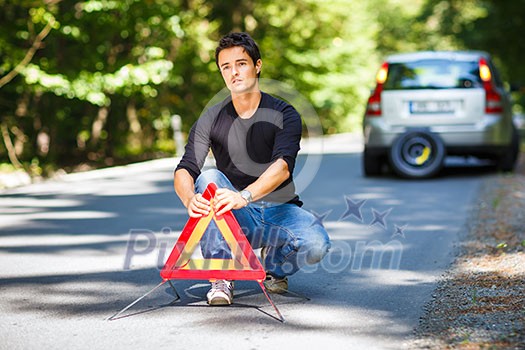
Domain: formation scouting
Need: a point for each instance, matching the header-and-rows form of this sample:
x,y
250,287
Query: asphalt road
x,y
75,251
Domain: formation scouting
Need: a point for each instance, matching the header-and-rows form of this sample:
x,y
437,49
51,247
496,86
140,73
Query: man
x,y
254,138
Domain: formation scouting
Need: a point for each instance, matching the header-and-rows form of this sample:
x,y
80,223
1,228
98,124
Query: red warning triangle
x,y
243,265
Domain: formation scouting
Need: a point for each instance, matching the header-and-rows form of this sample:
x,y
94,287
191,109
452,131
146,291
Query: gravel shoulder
x,y
480,301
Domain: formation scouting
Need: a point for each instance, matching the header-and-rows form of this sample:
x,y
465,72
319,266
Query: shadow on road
x,y
92,220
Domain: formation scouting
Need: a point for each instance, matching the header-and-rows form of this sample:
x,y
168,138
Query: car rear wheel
x,y
372,164
508,160
417,154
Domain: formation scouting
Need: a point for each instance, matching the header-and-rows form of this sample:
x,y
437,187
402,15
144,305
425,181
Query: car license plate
x,y
420,107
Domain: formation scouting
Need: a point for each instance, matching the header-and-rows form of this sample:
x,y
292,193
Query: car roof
x,y
425,55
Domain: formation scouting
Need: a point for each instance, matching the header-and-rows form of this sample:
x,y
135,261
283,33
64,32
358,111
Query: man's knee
x,y
209,176
315,248
316,252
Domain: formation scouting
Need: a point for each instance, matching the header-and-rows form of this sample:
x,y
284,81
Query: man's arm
x,y
272,178
184,186
192,161
269,180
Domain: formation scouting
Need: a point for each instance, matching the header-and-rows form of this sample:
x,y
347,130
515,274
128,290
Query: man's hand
x,y
198,206
226,200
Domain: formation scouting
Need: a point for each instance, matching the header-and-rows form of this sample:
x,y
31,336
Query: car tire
x,y
372,164
508,160
417,154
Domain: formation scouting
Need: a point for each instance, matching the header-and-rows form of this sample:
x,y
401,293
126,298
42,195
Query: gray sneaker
x,y
221,293
273,284
276,285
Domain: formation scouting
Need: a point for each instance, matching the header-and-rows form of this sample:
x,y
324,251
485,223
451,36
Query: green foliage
x,y
494,26
326,53
93,88
502,245
97,81
397,29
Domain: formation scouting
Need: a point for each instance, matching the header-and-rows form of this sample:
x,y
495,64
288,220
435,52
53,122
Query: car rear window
x,y
433,74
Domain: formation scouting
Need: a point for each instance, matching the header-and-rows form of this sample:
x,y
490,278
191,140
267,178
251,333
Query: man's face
x,y
238,70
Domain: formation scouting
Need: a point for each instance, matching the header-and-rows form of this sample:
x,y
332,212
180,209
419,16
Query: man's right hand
x,y
198,206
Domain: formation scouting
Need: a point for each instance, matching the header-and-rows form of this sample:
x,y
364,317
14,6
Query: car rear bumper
x,y
492,152
490,133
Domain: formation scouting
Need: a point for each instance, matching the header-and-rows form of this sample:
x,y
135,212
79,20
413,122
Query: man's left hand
x,y
226,200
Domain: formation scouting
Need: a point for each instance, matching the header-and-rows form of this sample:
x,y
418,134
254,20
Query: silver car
x,y
427,105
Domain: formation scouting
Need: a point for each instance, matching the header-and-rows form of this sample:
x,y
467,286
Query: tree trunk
x,y
135,129
98,124
10,148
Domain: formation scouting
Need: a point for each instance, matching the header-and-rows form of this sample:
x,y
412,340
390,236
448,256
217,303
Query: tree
x,y
88,92
97,81
488,25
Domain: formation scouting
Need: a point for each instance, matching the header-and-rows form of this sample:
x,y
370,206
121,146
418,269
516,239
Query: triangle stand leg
x,y
281,318
115,316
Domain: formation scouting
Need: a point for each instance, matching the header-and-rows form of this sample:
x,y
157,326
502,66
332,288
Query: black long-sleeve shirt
x,y
245,148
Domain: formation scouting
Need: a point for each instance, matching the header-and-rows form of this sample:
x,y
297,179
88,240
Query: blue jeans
x,y
294,236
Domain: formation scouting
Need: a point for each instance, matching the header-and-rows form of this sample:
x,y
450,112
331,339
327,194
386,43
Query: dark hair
x,y
243,40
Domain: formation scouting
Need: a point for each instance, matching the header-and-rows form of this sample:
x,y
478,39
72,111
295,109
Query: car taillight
x,y
373,107
492,97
